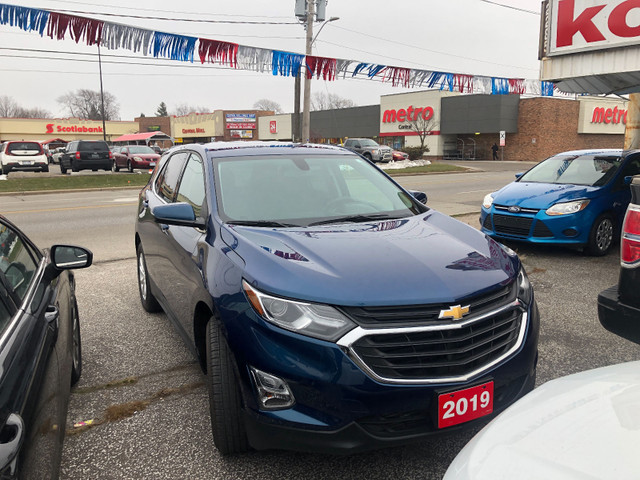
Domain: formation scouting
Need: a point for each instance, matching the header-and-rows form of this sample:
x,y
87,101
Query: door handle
x,y
52,314
165,228
12,436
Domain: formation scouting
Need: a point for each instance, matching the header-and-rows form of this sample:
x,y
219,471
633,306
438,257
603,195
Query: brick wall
x,y
547,126
163,122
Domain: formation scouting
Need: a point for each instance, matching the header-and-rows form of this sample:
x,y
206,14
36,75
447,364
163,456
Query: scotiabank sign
x,y
578,25
53,128
409,114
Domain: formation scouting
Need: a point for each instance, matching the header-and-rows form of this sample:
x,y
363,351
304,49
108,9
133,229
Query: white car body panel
x,y
582,426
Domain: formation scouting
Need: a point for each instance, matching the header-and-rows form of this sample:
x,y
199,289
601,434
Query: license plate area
x,y
465,405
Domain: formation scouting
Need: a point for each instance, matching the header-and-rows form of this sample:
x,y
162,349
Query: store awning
x,y
144,137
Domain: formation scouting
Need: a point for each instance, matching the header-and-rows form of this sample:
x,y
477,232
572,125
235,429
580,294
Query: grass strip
x,y
73,182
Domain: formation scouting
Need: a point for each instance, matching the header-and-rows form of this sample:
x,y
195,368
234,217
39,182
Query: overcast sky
x,y
476,37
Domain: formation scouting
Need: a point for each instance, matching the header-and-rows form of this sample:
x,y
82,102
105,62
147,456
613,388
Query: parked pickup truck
x,y
369,149
619,306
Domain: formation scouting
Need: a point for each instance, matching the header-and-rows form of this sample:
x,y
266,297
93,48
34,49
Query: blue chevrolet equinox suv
x,y
330,309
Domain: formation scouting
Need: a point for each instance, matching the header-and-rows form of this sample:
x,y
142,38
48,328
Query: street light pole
x,y
307,81
104,128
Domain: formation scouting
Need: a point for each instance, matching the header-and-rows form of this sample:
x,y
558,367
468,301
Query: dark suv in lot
x,y
86,155
330,309
619,306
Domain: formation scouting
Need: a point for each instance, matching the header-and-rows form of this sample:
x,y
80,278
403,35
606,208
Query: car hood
x,y
426,258
541,195
583,426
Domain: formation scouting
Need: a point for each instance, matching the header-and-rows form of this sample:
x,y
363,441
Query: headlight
x,y
313,319
567,207
488,201
525,292
137,159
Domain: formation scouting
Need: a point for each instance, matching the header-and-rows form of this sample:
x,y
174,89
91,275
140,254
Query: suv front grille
x,y
440,353
411,315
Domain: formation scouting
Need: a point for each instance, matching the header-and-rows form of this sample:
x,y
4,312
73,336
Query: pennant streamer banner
x,y
182,48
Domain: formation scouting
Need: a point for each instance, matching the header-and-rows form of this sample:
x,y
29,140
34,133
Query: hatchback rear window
x,y
23,147
93,147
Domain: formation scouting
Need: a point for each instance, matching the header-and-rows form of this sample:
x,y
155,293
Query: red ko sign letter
x,y
568,26
618,20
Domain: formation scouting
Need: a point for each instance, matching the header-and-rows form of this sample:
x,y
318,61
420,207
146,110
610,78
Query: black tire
x,y
227,425
45,169
601,235
5,170
115,167
63,169
148,301
129,166
367,155
76,352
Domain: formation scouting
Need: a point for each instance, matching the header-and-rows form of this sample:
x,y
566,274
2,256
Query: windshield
x,y
368,143
593,170
141,149
302,190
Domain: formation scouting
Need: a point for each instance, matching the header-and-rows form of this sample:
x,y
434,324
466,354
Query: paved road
x,y
142,384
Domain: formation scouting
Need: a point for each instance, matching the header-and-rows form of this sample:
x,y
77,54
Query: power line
x,y
511,7
195,20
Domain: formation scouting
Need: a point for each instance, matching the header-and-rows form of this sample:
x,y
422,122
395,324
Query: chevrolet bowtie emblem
x,y
455,313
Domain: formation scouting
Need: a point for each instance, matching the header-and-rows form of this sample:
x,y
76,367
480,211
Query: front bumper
x,y
537,227
618,317
340,409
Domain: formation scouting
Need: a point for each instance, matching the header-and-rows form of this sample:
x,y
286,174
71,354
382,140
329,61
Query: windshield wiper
x,y
261,223
355,219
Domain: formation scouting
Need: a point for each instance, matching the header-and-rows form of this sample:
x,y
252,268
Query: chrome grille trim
x,y
505,208
347,341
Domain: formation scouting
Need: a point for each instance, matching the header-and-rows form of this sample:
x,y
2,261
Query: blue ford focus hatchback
x,y
329,309
575,198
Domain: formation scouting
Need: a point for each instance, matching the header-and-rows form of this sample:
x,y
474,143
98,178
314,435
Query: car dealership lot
x,y
135,362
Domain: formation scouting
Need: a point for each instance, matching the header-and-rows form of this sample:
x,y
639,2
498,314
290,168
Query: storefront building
x,y
62,129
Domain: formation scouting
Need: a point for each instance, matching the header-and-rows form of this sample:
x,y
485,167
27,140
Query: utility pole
x,y
311,13
104,128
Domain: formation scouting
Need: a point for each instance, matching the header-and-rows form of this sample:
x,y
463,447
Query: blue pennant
x,y
499,86
286,64
546,89
28,19
175,47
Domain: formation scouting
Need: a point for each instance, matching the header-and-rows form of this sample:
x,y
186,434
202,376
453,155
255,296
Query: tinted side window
x,y
191,188
168,179
5,315
17,261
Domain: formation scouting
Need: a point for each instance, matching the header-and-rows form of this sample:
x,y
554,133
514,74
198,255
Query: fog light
x,y
570,232
273,392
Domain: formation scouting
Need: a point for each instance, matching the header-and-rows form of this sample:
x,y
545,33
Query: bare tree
x,y
330,101
268,105
8,106
423,127
35,112
184,109
87,104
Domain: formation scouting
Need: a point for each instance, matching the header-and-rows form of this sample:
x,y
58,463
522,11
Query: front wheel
x,y
227,425
601,236
149,302
129,166
114,166
63,169
76,353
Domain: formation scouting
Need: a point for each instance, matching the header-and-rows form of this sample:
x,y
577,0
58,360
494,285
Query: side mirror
x,y
66,257
357,145
628,180
180,214
519,174
420,196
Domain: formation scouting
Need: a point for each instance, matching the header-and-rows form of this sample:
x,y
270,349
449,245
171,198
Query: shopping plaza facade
x,y
455,125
